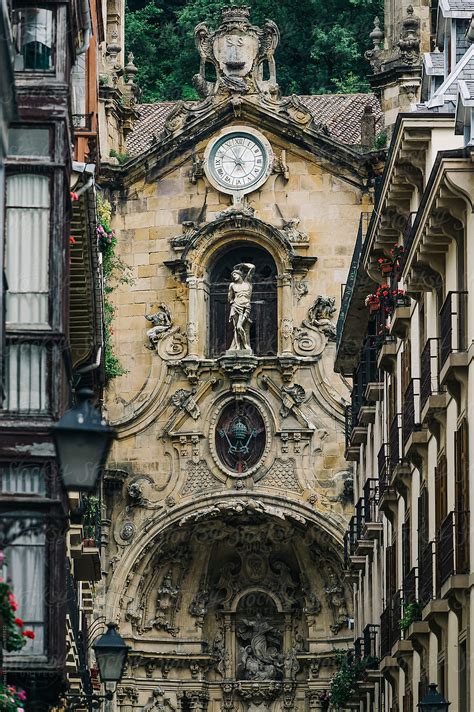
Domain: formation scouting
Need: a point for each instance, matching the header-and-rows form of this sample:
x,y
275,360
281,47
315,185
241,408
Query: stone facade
x,y
224,557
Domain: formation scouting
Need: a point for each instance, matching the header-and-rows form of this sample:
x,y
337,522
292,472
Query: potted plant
x,y
411,613
385,265
90,520
12,698
401,298
372,301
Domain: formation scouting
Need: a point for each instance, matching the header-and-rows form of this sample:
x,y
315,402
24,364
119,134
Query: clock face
x,y
238,162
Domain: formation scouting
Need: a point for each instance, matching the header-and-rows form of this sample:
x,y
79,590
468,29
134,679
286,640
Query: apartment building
x,y
405,336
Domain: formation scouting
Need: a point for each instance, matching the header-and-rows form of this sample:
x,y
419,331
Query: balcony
x,y
453,551
390,625
415,438
372,526
387,355
432,396
425,570
453,341
394,437
82,122
387,495
78,629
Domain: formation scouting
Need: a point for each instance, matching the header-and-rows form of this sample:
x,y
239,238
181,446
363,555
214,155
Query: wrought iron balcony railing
x,y
371,499
82,122
425,572
429,383
395,427
452,324
411,410
453,546
352,276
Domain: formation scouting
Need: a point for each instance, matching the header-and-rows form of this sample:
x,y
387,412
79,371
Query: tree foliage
x,y
321,49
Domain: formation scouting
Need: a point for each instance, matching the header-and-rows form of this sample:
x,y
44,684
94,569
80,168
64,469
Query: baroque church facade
x,y
227,492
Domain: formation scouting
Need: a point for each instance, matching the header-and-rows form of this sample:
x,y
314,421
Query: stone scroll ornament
x,y
238,51
311,338
163,337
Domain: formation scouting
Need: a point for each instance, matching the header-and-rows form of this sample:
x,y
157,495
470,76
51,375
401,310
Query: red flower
x,y
74,196
29,634
19,622
72,240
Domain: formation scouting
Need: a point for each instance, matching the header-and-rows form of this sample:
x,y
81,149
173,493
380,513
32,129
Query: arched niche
x,y
264,310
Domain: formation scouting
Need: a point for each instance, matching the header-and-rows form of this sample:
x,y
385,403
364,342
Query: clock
x,y
238,161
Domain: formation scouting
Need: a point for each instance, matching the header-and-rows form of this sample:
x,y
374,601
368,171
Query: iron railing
x,y
410,419
385,632
409,587
395,428
352,276
452,323
429,382
383,464
82,122
453,546
369,635
425,571
371,499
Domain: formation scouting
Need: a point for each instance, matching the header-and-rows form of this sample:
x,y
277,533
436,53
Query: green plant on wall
x,y
116,272
351,670
91,516
411,613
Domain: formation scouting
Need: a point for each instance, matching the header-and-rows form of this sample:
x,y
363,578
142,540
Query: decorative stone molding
x,y
199,478
282,474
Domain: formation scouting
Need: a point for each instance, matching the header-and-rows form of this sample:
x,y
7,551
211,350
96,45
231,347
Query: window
x,y
27,250
27,479
263,329
25,566
33,32
29,142
27,298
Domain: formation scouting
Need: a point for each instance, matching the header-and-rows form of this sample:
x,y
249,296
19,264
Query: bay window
x,y
28,207
33,31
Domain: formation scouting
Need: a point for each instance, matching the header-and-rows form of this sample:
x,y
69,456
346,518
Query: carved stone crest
x,y
237,50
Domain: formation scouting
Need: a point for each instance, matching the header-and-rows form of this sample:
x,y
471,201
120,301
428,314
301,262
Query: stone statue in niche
x,y
162,323
166,601
261,656
337,603
240,295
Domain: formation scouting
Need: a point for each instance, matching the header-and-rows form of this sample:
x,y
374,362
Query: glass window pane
x,y
33,30
28,142
27,249
23,479
26,378
25,566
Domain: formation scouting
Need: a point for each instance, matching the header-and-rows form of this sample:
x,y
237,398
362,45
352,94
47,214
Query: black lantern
x,y
82,440
111,654
433,701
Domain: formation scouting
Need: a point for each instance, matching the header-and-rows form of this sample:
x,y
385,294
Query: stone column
x,y
286,313
192,329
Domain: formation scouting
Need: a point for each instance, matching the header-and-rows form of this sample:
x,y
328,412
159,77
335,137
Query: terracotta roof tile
x,y
340,112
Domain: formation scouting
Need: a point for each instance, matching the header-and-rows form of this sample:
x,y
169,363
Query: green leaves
x,y
321,49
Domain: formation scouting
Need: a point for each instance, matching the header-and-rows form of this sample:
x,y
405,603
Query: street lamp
x,y
82,439
433,701
111,654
